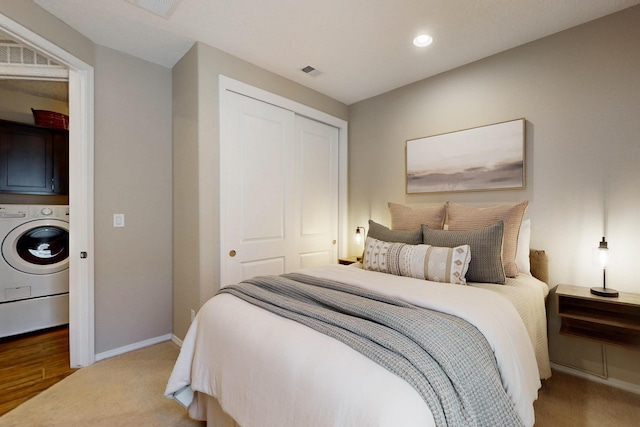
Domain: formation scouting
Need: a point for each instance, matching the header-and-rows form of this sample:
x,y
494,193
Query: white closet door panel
x,y
315,162
317,201
257,187
316,259
263,267
262,179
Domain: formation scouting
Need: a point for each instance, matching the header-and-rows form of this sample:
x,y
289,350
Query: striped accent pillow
x,y
447,265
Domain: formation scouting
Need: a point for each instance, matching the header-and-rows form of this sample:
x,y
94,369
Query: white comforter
x,y
266,370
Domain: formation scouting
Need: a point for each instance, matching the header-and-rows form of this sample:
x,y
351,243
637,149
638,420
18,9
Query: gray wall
x,y
196,158
580,93
132,176
186,203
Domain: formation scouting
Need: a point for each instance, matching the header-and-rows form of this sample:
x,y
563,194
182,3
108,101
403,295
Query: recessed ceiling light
x,y
423,40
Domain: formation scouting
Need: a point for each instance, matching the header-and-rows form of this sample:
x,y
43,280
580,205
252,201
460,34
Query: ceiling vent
x,y
163,8
310,70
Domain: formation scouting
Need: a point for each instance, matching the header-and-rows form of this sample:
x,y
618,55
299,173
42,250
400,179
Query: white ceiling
x,y
361,47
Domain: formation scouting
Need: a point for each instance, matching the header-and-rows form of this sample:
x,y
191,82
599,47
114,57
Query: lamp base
x,y
604,292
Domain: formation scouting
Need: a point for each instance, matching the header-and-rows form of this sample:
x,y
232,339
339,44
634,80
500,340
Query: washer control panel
x,y
34,212
50,211
13,211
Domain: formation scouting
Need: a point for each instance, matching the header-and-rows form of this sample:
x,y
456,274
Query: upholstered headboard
x,y
539,265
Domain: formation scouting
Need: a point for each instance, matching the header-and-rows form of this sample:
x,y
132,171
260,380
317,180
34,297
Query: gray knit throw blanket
x,y
445,358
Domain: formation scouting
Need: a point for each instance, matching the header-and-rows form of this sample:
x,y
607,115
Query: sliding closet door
x,y
257,187
316,204
279,190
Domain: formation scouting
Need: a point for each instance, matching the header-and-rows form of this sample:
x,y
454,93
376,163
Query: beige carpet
x,y
126,390
569,401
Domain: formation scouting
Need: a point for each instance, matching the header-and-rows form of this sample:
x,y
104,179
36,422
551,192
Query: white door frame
x,y
81,239
229,84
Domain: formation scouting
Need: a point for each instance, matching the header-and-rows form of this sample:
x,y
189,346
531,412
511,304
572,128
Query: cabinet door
x,y
26,160
60,163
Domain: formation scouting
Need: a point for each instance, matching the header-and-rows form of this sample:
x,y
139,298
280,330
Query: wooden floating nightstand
x,y
348,260
607,320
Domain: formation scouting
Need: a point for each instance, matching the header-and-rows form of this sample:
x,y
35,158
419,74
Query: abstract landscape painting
x,y
484,158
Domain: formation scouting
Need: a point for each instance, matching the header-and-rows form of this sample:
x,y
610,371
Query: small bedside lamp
x,y
359,238
360,232
603,252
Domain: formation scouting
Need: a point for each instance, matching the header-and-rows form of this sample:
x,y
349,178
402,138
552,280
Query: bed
x,y
253,359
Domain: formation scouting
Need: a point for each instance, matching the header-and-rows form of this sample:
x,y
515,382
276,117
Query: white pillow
x,y
522,252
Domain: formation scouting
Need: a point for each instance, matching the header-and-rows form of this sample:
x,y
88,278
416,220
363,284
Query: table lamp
x,y
603,253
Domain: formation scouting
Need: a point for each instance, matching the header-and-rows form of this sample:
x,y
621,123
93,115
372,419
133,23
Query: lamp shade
x,y
359,237
603,255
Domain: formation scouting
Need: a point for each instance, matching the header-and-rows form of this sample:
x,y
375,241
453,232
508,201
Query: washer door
x,y
38,247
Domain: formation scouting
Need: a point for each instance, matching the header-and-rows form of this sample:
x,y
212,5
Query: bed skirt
x,y
215,415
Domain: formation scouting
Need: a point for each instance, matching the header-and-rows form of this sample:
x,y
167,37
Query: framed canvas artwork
x,y
483,158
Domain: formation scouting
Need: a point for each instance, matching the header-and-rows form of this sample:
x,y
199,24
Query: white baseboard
x,y
623,385
132,347
177,341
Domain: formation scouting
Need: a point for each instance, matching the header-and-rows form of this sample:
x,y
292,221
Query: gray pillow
x,y
380,232
486,249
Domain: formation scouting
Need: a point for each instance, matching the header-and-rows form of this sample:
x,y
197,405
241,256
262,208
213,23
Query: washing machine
x,y
34,268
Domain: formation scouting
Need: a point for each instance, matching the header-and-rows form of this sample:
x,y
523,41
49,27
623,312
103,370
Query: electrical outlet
x,y
193,314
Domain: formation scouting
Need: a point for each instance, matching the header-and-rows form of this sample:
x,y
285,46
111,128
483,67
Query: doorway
x,y
81,263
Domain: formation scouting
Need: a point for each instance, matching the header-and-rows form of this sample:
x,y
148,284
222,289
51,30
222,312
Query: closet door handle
x,y
232,253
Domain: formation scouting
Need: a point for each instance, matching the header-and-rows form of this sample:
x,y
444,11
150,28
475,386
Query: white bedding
x,y
528,294
266,370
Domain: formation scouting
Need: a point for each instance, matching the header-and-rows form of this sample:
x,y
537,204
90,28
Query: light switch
x,y
118,220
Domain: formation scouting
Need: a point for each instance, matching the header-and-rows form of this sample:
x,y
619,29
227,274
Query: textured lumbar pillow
x,y
437,264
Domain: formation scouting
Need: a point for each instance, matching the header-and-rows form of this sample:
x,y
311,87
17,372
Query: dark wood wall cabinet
x,y
33,159
607,320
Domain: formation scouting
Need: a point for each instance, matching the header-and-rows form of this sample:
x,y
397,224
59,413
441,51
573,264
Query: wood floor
x,y
31,363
